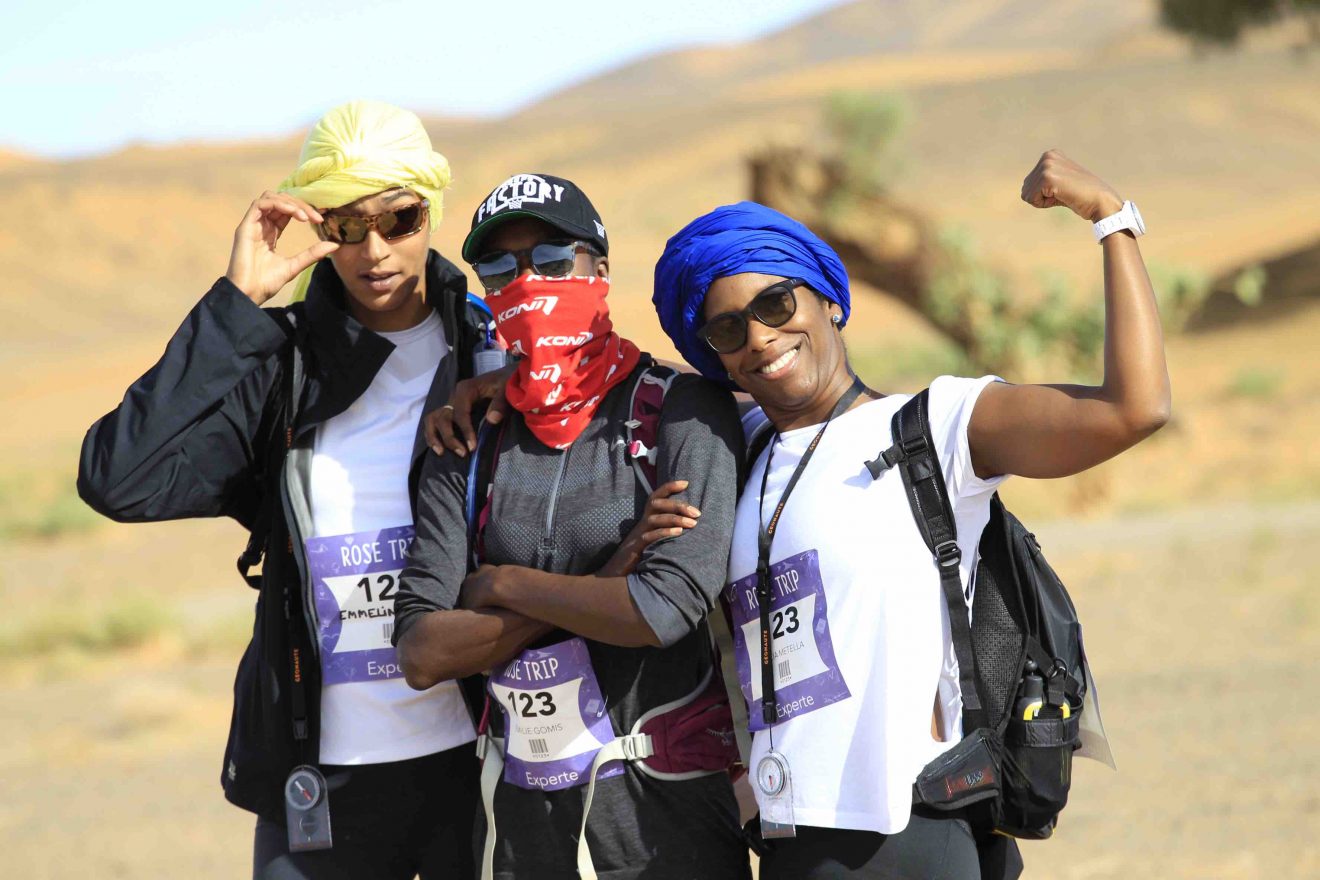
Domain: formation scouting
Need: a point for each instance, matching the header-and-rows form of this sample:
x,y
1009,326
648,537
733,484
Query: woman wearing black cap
x,y
580,651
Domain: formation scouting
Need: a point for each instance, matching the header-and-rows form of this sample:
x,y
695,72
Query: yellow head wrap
x,y
359,149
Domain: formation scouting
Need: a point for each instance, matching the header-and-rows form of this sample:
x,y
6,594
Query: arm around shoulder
x,y
678,579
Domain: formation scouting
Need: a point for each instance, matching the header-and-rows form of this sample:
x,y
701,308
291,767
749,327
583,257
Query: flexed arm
x,y
1047,431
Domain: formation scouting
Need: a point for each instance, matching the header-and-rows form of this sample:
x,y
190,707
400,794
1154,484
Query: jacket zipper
x,y
300,559
547,539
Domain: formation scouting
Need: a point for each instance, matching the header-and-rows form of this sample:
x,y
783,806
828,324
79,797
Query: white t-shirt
x,y
362,527
860,631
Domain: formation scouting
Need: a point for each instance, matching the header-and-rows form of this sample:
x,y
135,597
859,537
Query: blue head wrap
x,y
730,240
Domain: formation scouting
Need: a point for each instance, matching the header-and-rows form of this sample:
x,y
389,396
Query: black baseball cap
x,y
553,200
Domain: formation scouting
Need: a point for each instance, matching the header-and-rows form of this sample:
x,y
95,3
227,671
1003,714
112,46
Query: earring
x,y
835,319
729,373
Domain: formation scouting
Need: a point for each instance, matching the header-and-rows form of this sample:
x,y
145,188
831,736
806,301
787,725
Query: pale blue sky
x,y
79,77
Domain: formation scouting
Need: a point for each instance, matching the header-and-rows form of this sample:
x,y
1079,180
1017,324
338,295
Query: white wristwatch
x,y
1128,218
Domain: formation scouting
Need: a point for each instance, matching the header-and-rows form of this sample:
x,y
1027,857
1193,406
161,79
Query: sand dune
x,y
113,249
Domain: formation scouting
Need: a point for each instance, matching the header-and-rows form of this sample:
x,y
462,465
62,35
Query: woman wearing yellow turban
x,y
302,424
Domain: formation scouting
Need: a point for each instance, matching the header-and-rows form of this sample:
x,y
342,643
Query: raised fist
x,y
1058,180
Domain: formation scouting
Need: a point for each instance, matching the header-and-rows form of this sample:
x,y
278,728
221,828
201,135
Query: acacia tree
x,y
840,186
1222,22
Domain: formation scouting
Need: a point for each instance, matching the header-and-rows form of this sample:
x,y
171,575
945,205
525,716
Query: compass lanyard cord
x,y
765,538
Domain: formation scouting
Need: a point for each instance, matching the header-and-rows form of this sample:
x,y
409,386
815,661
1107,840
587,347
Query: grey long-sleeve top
x,y
565,512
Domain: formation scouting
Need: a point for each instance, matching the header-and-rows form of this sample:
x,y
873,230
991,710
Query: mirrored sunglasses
x,y
552,258
393,224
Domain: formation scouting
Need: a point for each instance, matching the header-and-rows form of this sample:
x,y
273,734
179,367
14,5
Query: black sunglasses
x,y
727,332
552,258
392,224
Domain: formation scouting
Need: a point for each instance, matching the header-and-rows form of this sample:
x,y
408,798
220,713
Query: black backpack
x,y
1013,767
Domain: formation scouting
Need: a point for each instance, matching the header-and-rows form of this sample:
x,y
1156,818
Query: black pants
x,y
396,820
931,847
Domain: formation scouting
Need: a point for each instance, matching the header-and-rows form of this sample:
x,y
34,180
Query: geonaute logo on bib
x,y
517,191
581,339
540,304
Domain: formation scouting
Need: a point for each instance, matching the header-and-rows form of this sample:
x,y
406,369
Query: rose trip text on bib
x,y
354,578
554,717
806,674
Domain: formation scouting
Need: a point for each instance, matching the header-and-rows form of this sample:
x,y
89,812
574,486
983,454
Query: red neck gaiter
x,y
570,353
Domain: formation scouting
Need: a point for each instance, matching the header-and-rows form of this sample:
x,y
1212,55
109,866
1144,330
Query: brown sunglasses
x,y
393,224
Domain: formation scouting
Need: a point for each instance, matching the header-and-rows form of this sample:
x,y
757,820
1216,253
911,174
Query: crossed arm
x,y
657,587
504,608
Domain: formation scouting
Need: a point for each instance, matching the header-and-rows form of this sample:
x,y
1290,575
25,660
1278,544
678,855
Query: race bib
x,y
354,578
806,674
554,717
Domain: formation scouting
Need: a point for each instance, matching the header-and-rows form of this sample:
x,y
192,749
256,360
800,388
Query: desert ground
x,y
1202,626
1190,558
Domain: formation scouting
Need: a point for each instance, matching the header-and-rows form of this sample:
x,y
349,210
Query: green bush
x,y
127,622
27,512
1179,291
1256,383
1002,332
1249,286
863,130
976,306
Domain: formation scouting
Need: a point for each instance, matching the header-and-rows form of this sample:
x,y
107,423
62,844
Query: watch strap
x,y
1127,218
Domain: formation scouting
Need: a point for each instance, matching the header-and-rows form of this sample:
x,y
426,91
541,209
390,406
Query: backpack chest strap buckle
x,y
948,554
897,454
637,449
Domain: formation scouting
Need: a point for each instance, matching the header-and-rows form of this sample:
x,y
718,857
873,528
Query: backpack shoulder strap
x,y
481,479
642,430
276,431
724,657
918,463
478,307
643,437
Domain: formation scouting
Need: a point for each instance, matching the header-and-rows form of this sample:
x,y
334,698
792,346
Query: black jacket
x,y
201,434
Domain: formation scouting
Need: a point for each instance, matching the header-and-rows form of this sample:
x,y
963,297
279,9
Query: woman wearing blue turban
x,y
861,690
